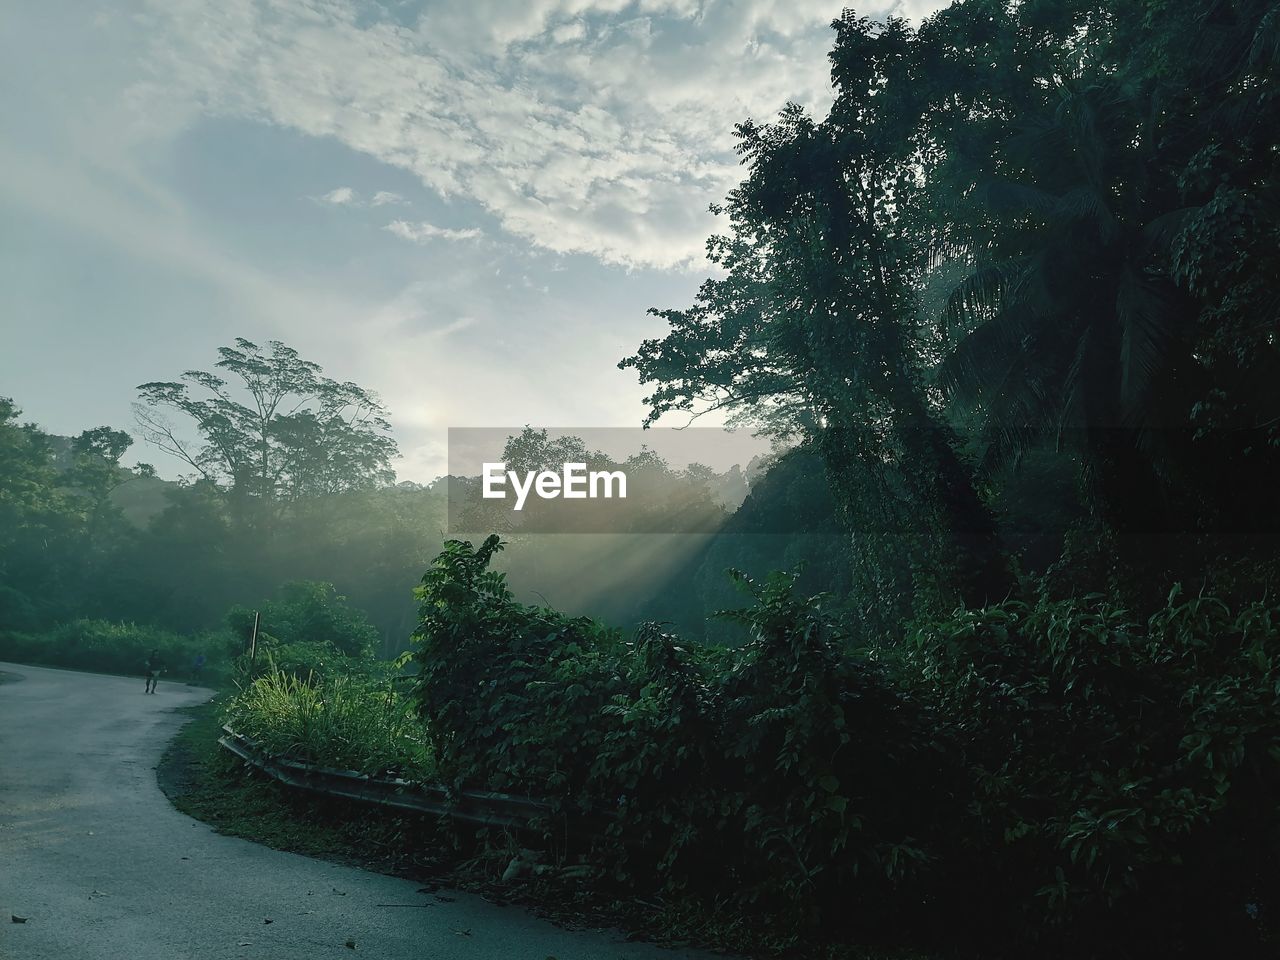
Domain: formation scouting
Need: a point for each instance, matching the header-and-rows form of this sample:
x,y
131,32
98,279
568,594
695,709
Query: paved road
x,y
103,867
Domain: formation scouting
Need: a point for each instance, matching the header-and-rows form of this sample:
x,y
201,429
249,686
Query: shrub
x,y
508,690
1123,776
784,771
309,612
119,647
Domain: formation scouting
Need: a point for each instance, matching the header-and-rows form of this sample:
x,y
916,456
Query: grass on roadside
x,y
343,722
211,785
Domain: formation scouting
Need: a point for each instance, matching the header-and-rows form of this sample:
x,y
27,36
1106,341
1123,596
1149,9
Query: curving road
x,y
102,867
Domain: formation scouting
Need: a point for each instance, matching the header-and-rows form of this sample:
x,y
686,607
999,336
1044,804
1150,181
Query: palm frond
x,y
984,291
1264,51
1073,412
1160,234
980,362
1148,325
1007,196
1086,204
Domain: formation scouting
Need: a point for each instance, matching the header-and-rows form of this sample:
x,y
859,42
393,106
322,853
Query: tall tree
x,y
815,323
272,429
95,462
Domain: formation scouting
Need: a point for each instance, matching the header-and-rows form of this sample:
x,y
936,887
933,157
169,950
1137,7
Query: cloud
x,y
339,197
568,32
348,197
601,127
596,127
457,326
422,232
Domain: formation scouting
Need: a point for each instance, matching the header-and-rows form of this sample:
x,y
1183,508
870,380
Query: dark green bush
x,y
1059,773
310,632
1123,776
306,611
510,692
784,772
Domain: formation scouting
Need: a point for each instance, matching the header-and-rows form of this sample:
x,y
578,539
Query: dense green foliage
x,y
313,691
1035,229
307,612
1057,772
1121,776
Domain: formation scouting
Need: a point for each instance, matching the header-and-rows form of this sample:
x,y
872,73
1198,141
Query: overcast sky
x,y
464,206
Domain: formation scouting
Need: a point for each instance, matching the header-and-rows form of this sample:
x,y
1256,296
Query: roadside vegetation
x,y
1040,775
210,784
105,647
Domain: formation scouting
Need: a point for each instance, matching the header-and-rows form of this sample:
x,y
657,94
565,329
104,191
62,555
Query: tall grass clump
x,y
339,721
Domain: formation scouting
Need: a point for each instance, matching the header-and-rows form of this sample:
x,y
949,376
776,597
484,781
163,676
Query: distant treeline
x,y
84,538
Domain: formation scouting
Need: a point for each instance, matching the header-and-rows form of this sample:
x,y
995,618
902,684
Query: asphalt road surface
x,y
102,867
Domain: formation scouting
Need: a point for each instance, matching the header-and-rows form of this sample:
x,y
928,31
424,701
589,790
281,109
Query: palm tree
x,y
1080,322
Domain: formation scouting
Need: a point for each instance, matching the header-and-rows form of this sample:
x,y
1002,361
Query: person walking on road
x,y
197,668
154,666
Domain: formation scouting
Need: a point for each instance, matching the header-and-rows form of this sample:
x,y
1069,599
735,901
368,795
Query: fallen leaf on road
x,y
267,920
341,893
18,919
514,869
463,933
351,944
443,899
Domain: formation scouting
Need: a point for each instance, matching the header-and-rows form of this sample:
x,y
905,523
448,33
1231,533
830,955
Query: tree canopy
x,y
1021,227
273,429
